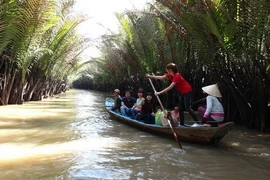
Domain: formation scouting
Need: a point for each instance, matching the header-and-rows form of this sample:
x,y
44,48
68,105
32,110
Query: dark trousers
x,y
148,118
184,104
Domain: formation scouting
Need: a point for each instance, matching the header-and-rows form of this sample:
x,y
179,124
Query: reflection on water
x,y
72,137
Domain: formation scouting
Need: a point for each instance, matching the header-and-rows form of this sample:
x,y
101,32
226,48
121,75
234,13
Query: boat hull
x,y
189,134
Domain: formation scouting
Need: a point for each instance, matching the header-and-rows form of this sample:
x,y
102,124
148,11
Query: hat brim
x,y
212,90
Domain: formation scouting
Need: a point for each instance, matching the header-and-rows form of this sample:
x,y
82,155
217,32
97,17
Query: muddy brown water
x,y
72,137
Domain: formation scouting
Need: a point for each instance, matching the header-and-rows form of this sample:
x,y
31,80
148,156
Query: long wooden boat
x,y
199,134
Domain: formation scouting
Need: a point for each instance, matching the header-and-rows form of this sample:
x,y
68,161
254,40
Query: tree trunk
x,y
38,93
20,99
31,90
3,82
9,87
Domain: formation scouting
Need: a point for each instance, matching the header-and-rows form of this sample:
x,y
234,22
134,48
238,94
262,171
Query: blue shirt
x,y
129,103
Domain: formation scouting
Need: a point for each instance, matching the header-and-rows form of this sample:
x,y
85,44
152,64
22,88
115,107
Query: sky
x,y
101,17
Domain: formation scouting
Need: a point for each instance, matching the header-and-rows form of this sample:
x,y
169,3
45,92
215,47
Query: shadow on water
x,y
73,137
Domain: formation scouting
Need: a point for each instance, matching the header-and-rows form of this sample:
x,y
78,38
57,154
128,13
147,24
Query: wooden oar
x,y
169,121
199,101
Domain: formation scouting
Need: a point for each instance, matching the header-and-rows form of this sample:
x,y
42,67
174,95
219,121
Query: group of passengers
x,y
141,109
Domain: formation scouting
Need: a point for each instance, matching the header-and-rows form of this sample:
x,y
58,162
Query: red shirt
x,y
180,83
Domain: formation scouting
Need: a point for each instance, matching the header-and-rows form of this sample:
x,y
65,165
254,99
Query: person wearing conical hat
x,y
213,112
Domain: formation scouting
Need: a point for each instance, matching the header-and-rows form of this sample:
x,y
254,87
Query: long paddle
x,y
169,122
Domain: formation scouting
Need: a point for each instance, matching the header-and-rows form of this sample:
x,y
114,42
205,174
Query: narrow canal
x,y
73,137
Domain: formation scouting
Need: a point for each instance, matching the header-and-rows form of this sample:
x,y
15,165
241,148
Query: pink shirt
x,y
175,115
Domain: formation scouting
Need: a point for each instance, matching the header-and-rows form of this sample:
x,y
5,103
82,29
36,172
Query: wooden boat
x,y
199,134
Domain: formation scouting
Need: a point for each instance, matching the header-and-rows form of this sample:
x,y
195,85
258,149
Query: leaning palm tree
x,y
32,34
20,22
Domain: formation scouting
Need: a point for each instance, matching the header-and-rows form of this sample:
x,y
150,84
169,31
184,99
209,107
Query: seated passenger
x,y
213,113
175,115
148,110
127,103
117,100
138,105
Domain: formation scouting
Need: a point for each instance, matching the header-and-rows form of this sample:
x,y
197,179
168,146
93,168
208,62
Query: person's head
x,y
172,68
176,108
116,92
149,96
127,93
140,92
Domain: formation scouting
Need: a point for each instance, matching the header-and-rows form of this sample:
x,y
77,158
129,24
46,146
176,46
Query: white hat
x,y
212,90
117,91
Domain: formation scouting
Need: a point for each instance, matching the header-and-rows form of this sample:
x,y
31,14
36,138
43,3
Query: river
x,y
72,137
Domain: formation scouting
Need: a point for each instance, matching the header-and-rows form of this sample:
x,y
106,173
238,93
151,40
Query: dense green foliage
x,y
212,41
39,48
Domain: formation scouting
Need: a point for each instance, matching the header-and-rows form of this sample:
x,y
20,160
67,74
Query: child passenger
x,y
175,114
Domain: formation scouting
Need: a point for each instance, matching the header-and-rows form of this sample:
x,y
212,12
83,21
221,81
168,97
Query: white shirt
x,y
214,108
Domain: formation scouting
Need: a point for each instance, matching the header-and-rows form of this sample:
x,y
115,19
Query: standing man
x,y
182,86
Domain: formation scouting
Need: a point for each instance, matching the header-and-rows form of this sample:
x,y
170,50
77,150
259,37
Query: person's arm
x,y
156,77
154,109
123,104
118,102
209,105
141,103
134,105
166,89
114,105
134,101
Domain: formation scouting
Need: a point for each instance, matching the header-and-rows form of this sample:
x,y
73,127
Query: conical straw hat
x,y
212,90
